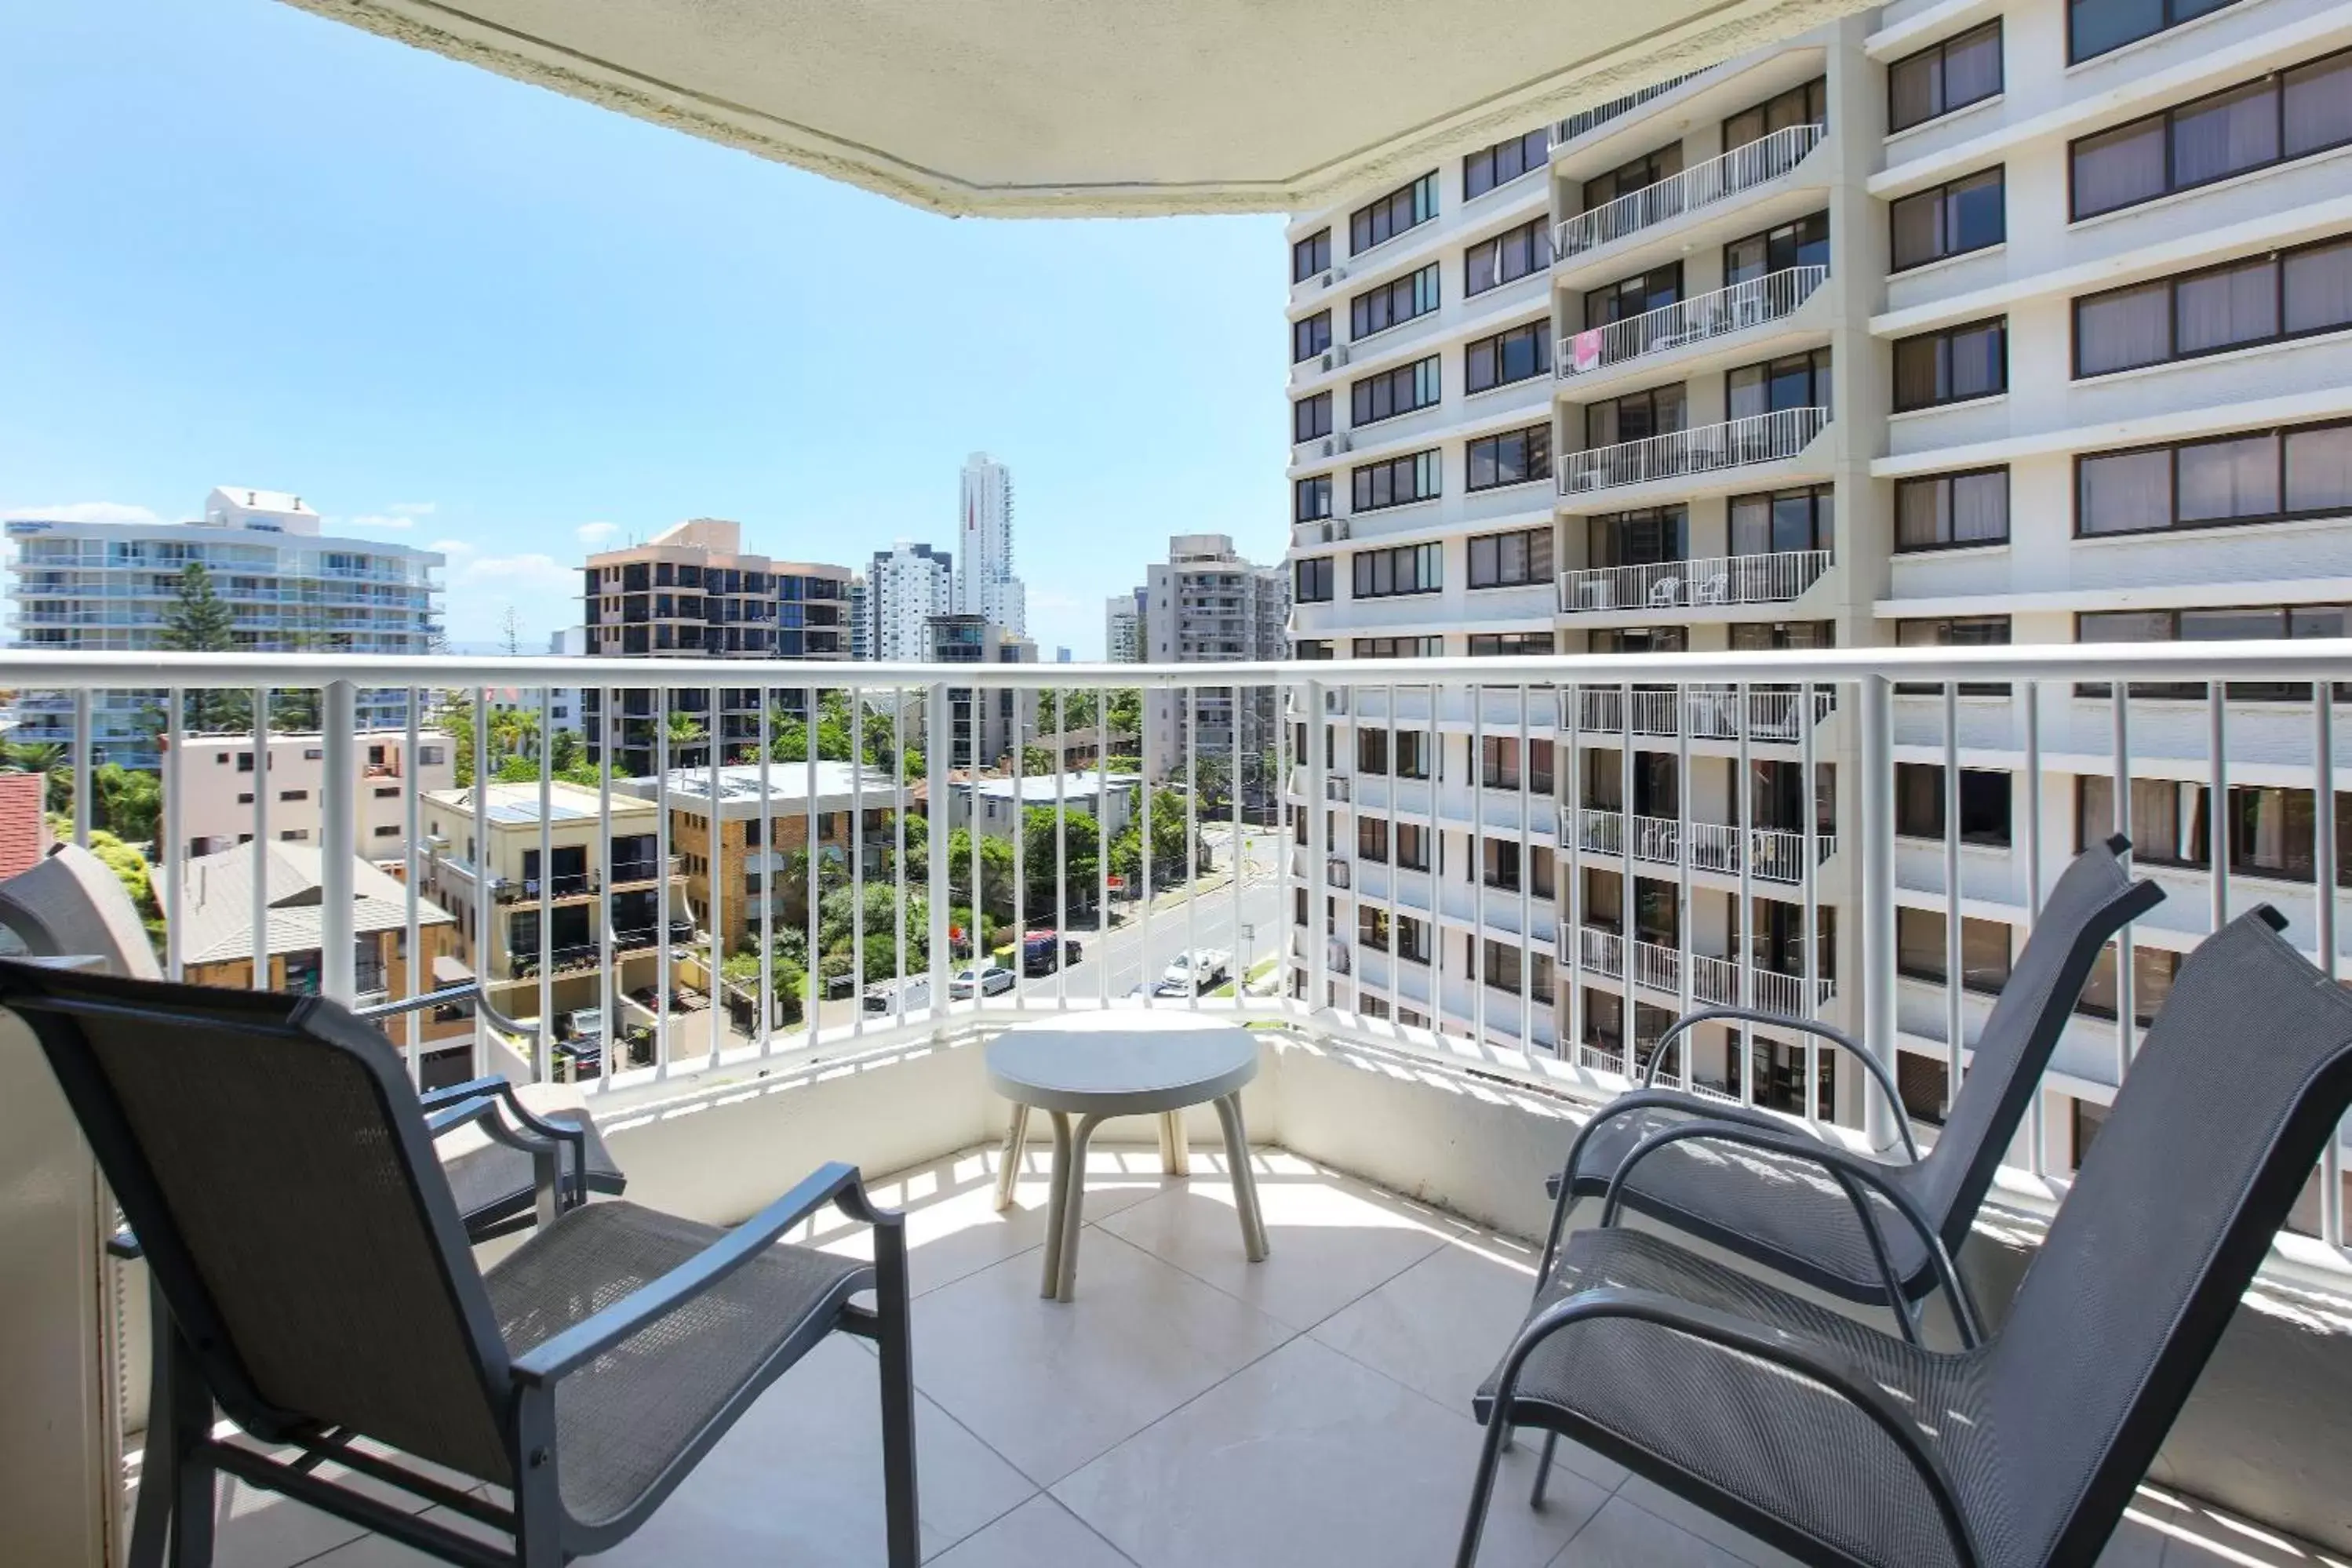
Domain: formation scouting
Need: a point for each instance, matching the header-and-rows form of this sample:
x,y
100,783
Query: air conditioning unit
x,y
1340,353
1338,530
1329,278
1346,444
1326,361
1328,447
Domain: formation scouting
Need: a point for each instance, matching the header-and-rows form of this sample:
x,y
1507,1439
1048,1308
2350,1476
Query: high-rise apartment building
x,y
983,726
985,583
691,592
861,618
1123,628
2022,322
1205,604
906,585
288,586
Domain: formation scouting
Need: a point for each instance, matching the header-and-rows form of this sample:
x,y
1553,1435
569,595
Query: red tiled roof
x,y
23,832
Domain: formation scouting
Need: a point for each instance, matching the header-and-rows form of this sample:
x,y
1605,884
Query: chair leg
x,y
894,1342
151,1524
1543,1470
538,1500
1016,1138
1058,1201
1074,1208
1254,1240
191,1421
1482,1489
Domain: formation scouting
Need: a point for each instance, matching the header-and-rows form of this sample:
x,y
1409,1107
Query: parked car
x,y
881,997
1208,964
1042,953
584,1024
991,979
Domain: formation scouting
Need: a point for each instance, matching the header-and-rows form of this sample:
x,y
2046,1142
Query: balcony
x,y
1705,711
1743,307
1704,449
1189,1408
1718,582
1741,170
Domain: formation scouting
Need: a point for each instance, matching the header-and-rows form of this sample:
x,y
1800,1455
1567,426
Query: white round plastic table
x,y
1093,1075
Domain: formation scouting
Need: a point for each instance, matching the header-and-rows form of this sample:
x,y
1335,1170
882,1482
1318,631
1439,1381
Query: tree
x,y
685,734
129,803
455,719
1039,763
787,977
1126,709
1081,836
567,752
46,757
996,873
198,621
1167,841
510,630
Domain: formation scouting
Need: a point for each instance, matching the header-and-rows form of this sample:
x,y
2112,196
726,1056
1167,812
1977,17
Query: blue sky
x,y
244,245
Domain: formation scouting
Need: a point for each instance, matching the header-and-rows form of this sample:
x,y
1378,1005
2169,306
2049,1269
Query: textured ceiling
x,y
1103,107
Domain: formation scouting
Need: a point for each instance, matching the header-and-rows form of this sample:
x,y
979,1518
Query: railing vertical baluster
x,y
543,1065
1241,856
813,845
1686,917
2127,1024
1526,884
897,862
1148,752
1020,825
82,748
479,858
857,859
338,843
1432,854
940,960
2037,1124
662,848
978,914
412,785
1102,845
1318,844
2217,805
1626,1042
260,837
715,843
174,845
1192,848
1571,828
1743,928
1954,954
1477,793
1396,854
768,869
2327,876
608,980
1876,788
1062,848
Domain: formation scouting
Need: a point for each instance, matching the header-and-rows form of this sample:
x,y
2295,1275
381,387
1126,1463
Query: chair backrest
x,y
270,1156
2089,905
73,906
2221,1118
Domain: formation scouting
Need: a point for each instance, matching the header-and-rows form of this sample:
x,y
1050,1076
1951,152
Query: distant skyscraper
x,y
1061,656
906,585
984,583
861,619
1123,631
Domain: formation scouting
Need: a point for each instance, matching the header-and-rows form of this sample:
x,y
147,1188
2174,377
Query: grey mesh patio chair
x,y
280,1176
1791,1216
1841,1445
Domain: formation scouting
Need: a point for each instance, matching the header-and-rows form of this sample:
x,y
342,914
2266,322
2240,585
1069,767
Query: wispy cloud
x,y
413,508
520,576
85,512
377,520
593,534
451,547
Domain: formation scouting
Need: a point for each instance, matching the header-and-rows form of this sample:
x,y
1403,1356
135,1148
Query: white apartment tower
x,y
985,583
906,585
1123,628
2011,322
288,587
1205,604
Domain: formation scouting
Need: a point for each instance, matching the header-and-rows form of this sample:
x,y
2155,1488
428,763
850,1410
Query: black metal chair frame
x,y
201,1364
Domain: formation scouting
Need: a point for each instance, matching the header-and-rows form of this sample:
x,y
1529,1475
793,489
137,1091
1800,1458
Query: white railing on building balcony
x,y
1731,579
1593,711
1759,162
1757,302
1600,114
1704,449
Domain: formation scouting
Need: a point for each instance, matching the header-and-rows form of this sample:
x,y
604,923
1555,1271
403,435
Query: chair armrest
x,y
833,1183
1851,1172
497,1089
1845,1042
1810,1358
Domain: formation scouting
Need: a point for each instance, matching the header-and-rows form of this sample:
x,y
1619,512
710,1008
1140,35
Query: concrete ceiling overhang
x,y
1092,108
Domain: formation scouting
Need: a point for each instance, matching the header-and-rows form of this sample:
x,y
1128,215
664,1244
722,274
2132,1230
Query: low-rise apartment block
x,y
220,789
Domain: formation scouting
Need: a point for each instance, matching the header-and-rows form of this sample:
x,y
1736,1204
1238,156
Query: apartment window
x,y
1504,161
1808,104
2255,476
1635,296
244,798
1784,521
1412,753
1404,390
1939,511
1393,303
1641,640
2094,27
1311,648
1310,580
1405,568
1647,170
1412,846
1516,355
387,829
1661,411
1646,538
1311,498
1412,938
1509,644
1403,208
1372,751
1511,457
1759,636
1794,381
1398,482
2265,299
293,794
1371,928
1919,803
1310,336
1399,647
387,791
1952,365
2238,623
1511,560
2272,831
1801,242
1372,839
314,753
1499,862
2153,971
2168,822
1954,632
1310,256
1919,949
1310,417
2284,116
1508,257
245,762
1962,69
1950,220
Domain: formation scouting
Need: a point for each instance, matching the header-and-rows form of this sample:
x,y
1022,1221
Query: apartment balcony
x,y
1773,854
1188,1406
1702,711
1679,454
1725,582
1735,173
1672,335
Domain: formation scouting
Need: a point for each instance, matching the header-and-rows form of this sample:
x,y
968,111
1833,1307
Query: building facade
x,y
906,585
985,584
1123,628
288,587
983,726
861,618
2021,322
215,809
1205,604
692,592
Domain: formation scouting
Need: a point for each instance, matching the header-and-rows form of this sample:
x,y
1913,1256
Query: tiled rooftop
x,y
1187,1409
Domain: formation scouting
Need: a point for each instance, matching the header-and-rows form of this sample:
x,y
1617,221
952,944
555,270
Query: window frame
x,y
1303,326
1529,247
1428,567
1529,163
2277,82
1531,574
1423,379
1308,248
1305,487
1537,330
1299,412
2171,283
2169,23
1939,49
1359,327
1429,464
2280,432
1916,480
1943,192
1414,192
1530,437
1941,339
1302,576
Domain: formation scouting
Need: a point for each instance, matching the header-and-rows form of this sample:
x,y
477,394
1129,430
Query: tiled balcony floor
x,y
1187,1409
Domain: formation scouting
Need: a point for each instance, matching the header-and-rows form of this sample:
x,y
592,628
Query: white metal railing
x,y
1704,449
1600,114
1742,169
615,949
1757,302
1731,579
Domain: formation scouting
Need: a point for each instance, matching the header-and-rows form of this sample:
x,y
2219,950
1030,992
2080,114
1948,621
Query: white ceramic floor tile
x,y
1050,1385
1308,1457
1040,1533
376,1551
1624,1536
1655,1500
2194,1535
253,1528
1332,1238
1441,1325
798,1479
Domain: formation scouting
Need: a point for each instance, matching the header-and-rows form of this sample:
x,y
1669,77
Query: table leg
x,y
1016,1138
1254,1240
1074,1208
1058,1200
1175,1154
